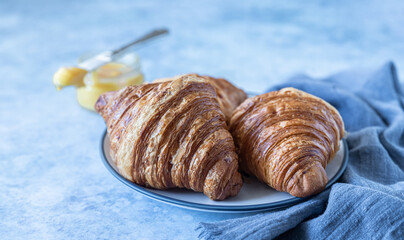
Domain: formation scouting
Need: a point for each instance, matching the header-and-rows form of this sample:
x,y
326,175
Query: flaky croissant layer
x,y
286,138
172,134
228,95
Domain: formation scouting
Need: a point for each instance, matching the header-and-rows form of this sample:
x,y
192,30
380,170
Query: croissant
x,y
286,138
172,134
228,95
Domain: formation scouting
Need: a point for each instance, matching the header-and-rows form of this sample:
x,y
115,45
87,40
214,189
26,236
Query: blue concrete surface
x,y
52,181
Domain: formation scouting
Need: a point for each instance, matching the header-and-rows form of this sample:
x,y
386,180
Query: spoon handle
x,y
149,36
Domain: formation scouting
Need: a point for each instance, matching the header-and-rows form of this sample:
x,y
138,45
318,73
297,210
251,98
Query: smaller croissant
x,y
172,134
286,138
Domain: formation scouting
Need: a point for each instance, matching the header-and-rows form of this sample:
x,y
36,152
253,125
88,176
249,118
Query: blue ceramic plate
x,y
253,197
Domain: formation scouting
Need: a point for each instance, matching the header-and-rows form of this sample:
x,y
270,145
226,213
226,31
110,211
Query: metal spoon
x,y
108,56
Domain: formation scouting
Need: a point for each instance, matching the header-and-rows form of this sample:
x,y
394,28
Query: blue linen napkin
x,y
368,201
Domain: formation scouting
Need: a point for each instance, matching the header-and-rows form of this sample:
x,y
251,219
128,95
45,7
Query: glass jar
x,y
112,76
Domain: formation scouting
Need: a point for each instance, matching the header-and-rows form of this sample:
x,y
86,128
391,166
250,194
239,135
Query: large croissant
x,y
286,138
228,95
172,134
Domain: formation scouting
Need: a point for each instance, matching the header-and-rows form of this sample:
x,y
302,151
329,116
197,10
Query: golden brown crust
x,y
172,134
228,95
286,138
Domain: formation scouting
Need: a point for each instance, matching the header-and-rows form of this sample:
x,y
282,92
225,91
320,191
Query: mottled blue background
x,y
52,181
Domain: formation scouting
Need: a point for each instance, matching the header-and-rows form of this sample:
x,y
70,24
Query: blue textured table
x,y
52,181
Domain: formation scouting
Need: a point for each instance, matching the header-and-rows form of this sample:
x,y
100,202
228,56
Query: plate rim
x,y
218,208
